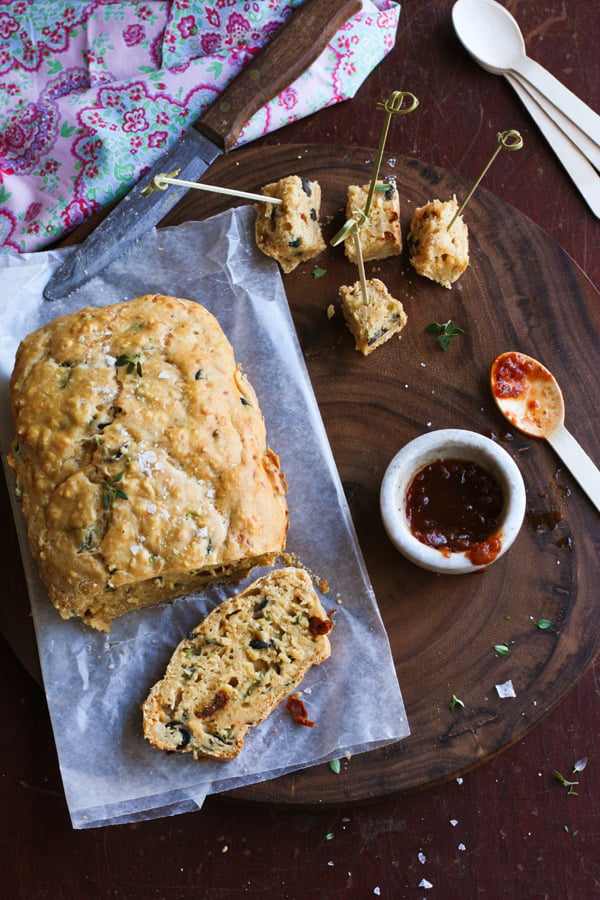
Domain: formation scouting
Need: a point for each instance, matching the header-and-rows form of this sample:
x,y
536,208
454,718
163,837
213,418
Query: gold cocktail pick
x,y
358,220
161,183
507,140
394,105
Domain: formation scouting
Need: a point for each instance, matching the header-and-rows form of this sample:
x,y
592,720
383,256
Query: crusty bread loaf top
x,y
140,455
232,670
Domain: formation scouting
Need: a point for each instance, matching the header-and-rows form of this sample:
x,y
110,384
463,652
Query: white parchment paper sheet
x,y
95,683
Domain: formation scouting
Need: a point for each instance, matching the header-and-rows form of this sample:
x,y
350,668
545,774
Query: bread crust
x,y
140,456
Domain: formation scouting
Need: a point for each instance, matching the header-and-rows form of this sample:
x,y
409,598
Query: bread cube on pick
x,y
290,231
373,320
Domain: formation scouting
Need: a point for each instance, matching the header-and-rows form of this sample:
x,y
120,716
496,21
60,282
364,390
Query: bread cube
x,y
290,232
374,320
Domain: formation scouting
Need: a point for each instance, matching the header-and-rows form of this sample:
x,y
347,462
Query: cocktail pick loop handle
x,y
394,105
507,140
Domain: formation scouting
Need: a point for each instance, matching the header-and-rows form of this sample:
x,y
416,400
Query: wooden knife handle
x,y
286,56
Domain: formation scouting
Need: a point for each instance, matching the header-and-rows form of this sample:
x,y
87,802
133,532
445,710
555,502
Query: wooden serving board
x,y
521,292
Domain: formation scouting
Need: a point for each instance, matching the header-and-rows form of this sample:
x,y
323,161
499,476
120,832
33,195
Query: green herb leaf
x,y
329,837
334,765
131,361
502,649
543,624
351,226
445,332
456,702
110,490
567,784
318,272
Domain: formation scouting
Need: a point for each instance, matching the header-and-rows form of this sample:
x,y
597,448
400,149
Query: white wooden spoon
x,y
529,396
492,36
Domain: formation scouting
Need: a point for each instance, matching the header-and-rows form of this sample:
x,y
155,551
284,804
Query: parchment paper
x,y
95,683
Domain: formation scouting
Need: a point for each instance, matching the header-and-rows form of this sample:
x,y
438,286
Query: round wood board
x,y
521,292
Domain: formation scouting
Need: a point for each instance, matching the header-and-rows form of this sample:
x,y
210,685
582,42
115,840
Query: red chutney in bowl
x,y
452,501
456,505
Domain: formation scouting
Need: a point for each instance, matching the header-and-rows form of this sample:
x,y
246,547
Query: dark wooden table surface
x,y
508,827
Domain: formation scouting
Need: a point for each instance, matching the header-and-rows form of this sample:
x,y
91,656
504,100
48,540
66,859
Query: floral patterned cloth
x,y
92,92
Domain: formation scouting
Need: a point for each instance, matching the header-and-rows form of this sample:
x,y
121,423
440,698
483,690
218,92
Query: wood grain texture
x,y
508,828
521,292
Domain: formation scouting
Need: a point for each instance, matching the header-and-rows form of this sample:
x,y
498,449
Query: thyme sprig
x,y
111,490
132,361
567,784
445,331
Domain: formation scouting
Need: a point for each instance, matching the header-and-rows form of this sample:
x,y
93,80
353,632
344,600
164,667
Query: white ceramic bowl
x,y
450,443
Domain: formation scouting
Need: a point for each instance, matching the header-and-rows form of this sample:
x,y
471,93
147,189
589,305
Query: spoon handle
x,y
577,461
583,174
589,148
565,100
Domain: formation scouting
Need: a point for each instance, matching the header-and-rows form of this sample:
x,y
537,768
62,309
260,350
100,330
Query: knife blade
x,y
286,56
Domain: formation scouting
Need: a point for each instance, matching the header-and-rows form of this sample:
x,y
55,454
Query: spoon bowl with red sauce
x,y
528,395
452,501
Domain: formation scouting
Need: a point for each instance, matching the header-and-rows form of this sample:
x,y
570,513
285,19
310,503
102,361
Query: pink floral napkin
x,y
92,93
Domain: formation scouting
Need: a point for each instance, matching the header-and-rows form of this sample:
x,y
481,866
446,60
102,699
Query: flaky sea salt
x,y
506,689
146,460
425,884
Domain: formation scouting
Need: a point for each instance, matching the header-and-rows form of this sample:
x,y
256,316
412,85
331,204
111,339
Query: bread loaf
x,y
140,457
232,670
